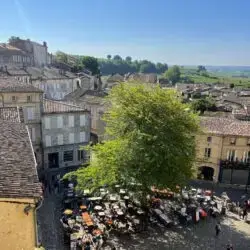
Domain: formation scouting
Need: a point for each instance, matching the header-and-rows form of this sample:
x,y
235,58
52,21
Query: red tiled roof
x,y
50,106
225,126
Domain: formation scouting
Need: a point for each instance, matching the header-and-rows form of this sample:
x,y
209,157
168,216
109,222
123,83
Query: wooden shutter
x,y
60,139
33,136
59,122
48,141
71,121
47,123
82,120
71,138
82,136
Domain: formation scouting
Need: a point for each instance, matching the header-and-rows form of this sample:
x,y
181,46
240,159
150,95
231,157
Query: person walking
x,y
244,213
217,229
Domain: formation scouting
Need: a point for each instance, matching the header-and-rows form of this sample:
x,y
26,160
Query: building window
x,y
80,155
59,139
233,140
29,96
209,139
246,157
47,123
71,138
30,113
68,155
14,98
82,136
207,152
248,141
82,120
48,140
59,122
71,121
231,155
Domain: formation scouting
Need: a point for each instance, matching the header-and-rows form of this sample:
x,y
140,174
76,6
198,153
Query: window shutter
x,y
71,138
47,123
48,141
30,113
82,136
59,122
71,121
60,139
82,120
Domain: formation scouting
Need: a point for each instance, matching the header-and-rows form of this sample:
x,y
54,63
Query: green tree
x,y
90,63
61,57
173,74
109,57
204,104
201,68
153,140
128,59
117,58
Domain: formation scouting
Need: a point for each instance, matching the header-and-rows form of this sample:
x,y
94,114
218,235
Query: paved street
x,y
200,236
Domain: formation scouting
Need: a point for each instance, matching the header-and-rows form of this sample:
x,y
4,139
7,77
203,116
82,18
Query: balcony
x,y
240,165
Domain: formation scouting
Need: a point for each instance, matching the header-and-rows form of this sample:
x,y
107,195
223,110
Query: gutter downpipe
x,y
39,206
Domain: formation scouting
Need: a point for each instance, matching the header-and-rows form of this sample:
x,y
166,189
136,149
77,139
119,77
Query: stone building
x,y
65,128
38,53
13,94
10,55
20,190
223,150
95,102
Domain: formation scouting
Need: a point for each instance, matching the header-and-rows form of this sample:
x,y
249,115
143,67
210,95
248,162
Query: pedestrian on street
x,y
217,229
230,247
244,213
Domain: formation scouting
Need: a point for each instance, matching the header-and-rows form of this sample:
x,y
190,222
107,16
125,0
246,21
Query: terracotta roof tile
x,y
50,106
225,126
12,85
18,173
10,114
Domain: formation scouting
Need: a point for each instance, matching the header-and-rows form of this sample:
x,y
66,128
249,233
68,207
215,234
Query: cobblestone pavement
x,y
49,229
196,237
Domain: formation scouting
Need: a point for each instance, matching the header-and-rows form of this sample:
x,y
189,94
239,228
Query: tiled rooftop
x,y
225,126
50,106
10,114
18,173
12,85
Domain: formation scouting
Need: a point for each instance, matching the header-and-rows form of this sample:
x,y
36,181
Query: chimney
x,y
44,44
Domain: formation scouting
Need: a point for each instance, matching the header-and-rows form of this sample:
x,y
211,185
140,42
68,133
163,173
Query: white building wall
x,y
40,55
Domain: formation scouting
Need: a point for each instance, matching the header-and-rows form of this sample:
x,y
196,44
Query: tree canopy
x,y
203,104
173,74
152,140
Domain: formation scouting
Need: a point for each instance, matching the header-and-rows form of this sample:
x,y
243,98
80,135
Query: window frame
x,y
71,152
208,152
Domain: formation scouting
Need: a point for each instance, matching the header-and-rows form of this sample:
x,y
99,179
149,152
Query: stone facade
x,y
32,109
64,134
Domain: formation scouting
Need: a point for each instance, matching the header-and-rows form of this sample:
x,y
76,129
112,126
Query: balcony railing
x,y
241,165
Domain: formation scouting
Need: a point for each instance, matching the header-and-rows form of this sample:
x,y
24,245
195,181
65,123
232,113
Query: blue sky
x,y
187,32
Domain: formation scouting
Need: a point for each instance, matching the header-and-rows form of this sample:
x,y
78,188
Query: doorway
x,y
53,160
207,173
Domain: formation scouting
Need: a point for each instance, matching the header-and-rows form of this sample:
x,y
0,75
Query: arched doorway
x,y
207,173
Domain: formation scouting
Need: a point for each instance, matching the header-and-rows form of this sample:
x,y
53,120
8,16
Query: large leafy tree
x,y
152,140
203,104
90,63
173,74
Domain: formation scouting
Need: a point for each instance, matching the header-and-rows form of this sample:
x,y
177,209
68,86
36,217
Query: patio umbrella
x,y
68,212
225,196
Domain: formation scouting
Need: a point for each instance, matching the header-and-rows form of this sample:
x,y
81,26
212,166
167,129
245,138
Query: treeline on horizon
x,y
112,64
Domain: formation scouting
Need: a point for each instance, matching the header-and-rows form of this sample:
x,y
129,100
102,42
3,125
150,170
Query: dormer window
x,y
233,140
